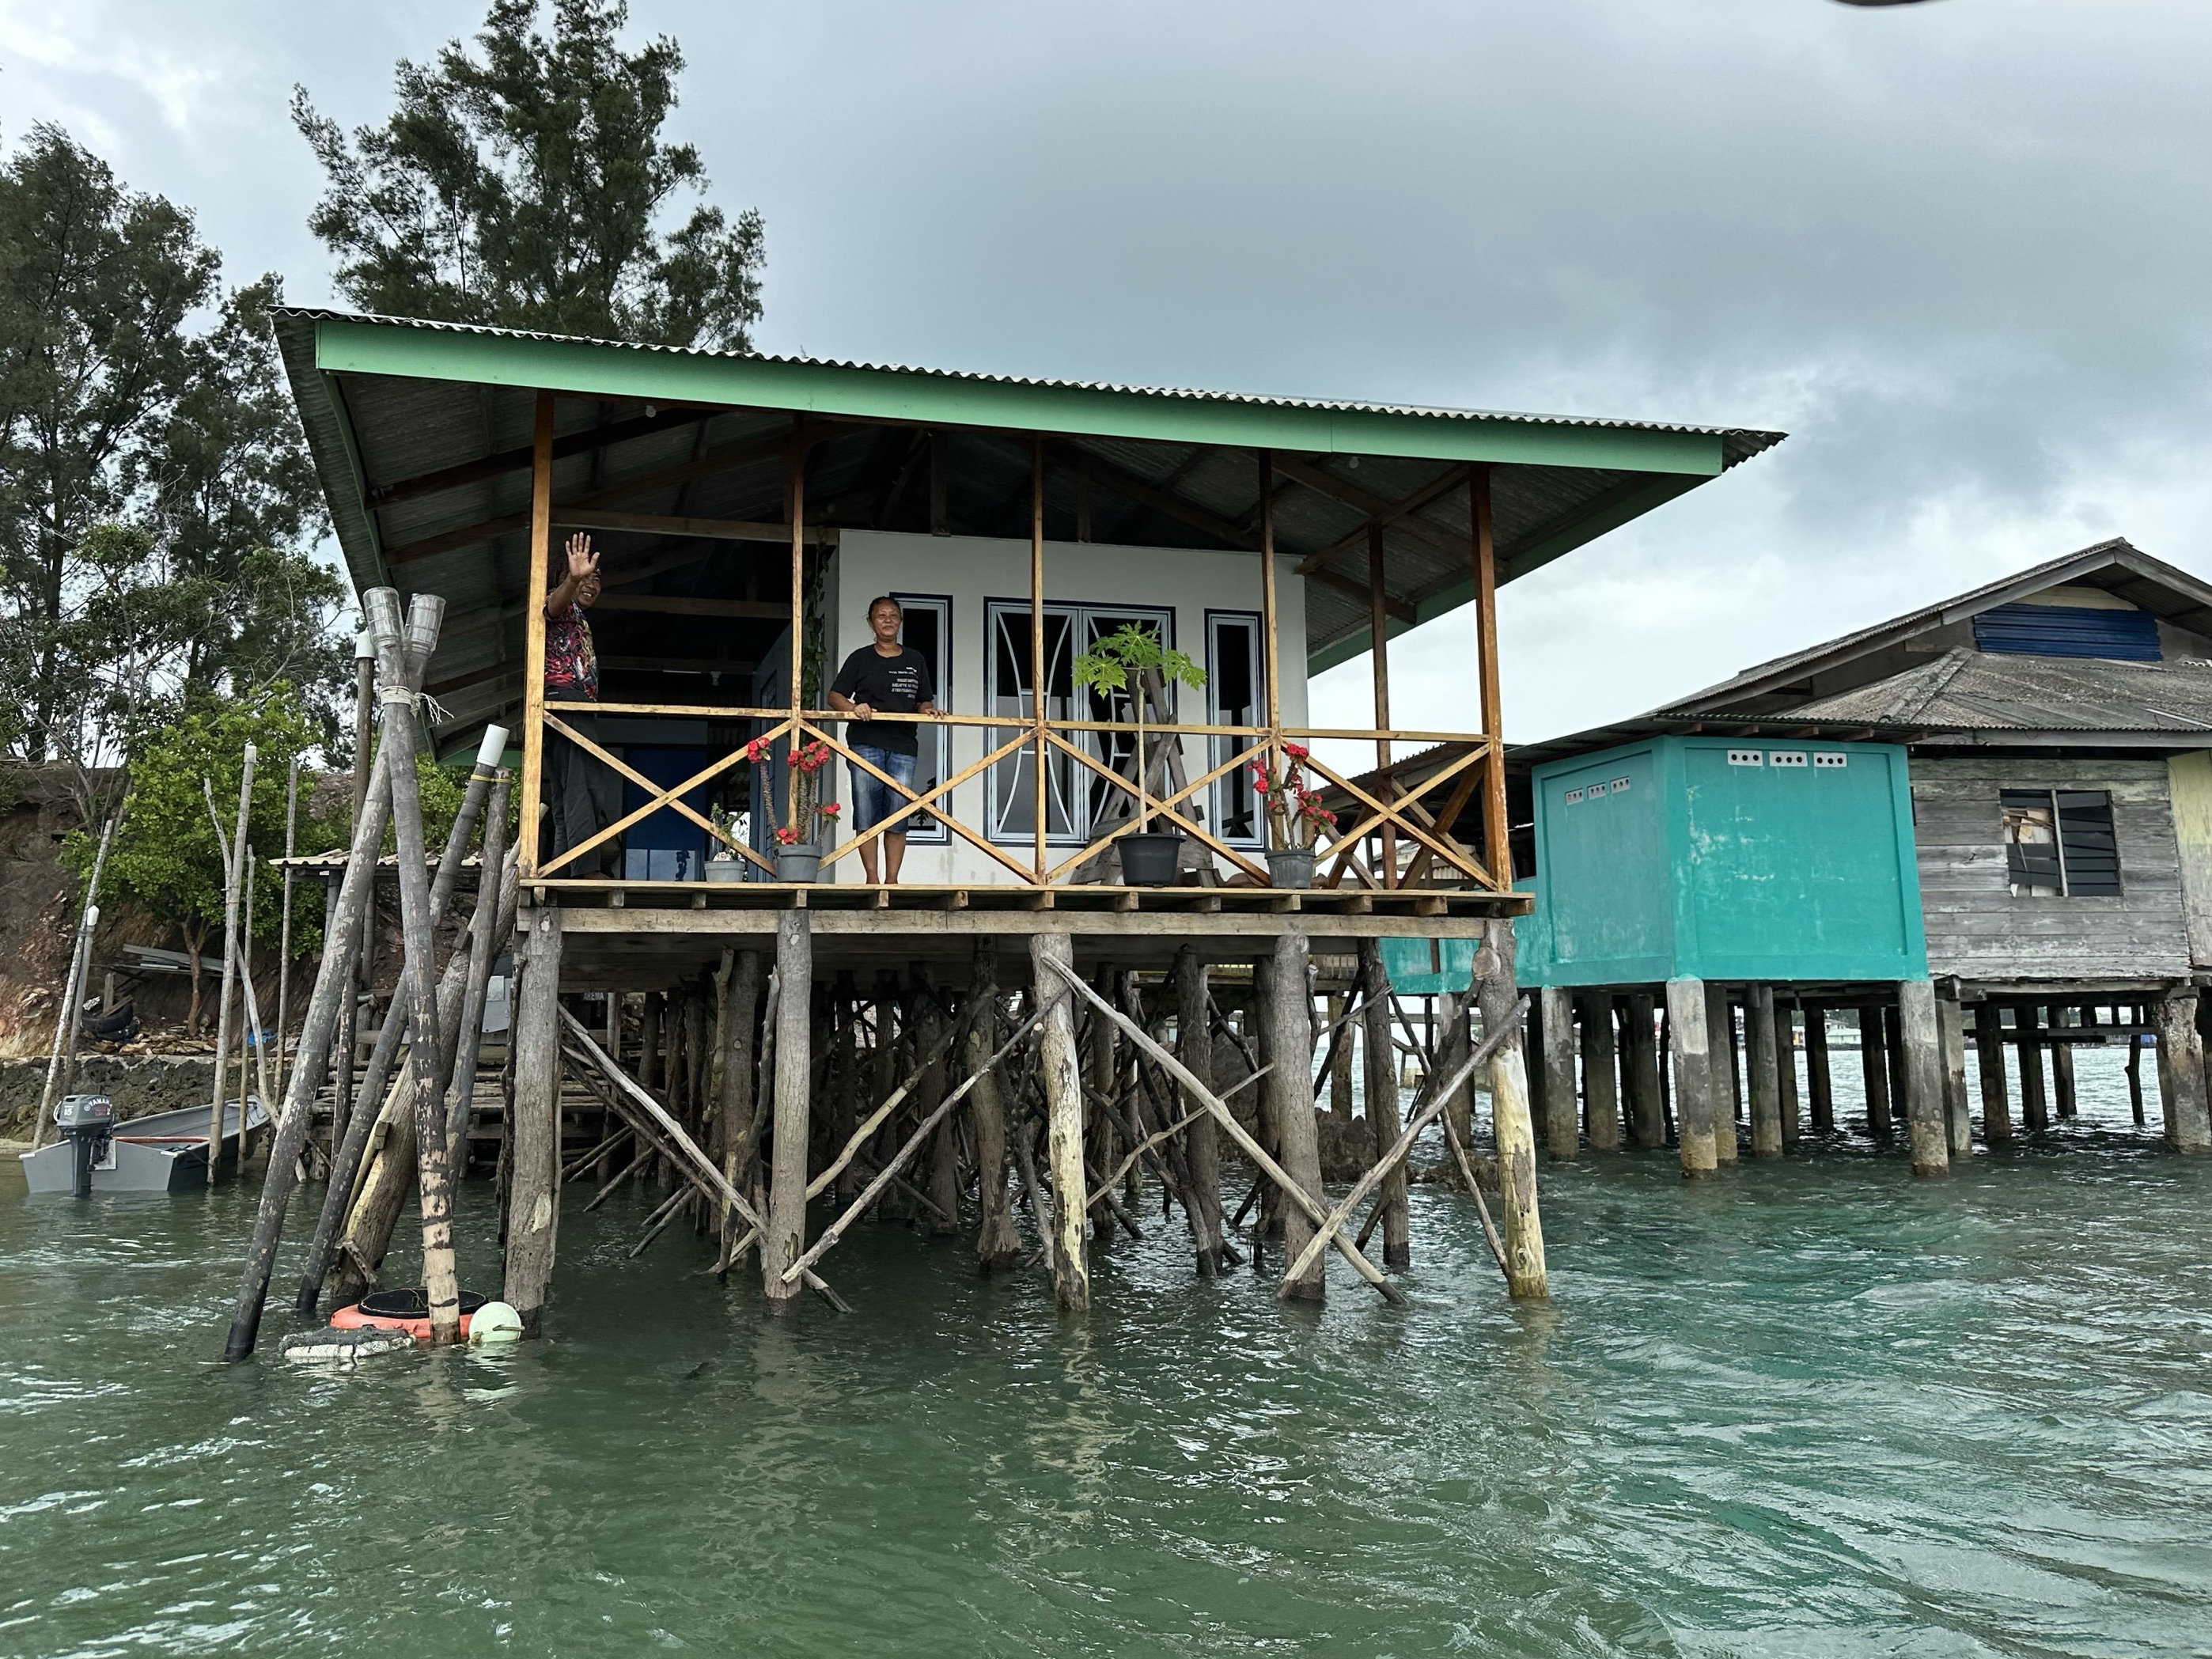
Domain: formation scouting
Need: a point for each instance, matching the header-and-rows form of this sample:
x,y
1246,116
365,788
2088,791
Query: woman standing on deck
x,y
583,794
894,679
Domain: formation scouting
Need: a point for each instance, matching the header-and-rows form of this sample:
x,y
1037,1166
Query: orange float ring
x,y
359,1316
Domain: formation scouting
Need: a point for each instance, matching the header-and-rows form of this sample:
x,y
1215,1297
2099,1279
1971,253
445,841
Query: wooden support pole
x,y
1526,1276
533,634
1100,1083
1893,1051
483,951
1951,1023
533,1193
785,1238
998,1245
2034,1100
1340,1066
1820,1085
1727,1086
1921,1038
1555,1027
734,1104
1498,856
2135,1072
1874,1067
284,922
1690,1057
234,874
2061,1064
1288,1094
1382,1090
1052,956
1785,1062
1989,1053
1763,1065
1647,1112
1378,625
1600,1072
68,1019
2181,1074
1201,1145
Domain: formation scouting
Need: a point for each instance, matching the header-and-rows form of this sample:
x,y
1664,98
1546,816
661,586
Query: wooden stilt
x,y
1340,1066
2135,1070
1690,1058
1202,1147
1785,1063
1526,1275
648,1040
1989,1055
2181,1074
1763,1065
735,1104
1951,1023
1921,1041
1893,1052
1819,1085
1873,1065
1556,1026
784,1239
1102,1081
997,1246
533,1199
2062,1063
1452,1047
1647,1113
1052,956
1601,1071
1383,1120
944,1183
1727,1072
1289,1096
2034,1100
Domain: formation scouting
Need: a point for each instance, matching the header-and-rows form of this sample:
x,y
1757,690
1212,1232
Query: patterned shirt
x,y
572,667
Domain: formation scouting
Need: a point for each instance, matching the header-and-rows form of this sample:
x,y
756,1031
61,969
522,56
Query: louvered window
x,y
2059,843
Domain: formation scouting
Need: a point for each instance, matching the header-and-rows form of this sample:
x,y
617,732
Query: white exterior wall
x,y
971,570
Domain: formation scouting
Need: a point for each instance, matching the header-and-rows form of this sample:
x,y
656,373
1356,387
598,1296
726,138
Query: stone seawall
x,y
138,1084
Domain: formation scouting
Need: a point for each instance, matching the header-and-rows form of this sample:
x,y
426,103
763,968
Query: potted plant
x,y
723,861
1296,817
1148,857
812,821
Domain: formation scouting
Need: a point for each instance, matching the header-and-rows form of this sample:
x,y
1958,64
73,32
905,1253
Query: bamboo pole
x,y
534,635
234,872
67,1017
417,923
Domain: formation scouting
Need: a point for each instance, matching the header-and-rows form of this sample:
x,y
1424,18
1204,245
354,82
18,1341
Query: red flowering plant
x,y
812,819
1296,817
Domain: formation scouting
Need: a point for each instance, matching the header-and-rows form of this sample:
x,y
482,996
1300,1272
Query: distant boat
x,y
165,1153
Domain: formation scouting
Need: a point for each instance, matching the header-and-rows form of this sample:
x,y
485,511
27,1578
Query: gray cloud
x,y
1957,251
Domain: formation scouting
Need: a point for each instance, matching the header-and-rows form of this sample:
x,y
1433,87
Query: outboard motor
x,y
86,1122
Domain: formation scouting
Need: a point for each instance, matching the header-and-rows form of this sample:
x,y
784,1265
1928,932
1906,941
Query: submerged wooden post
x,y
1762,1063
943,1150
1951,1022
2061,1064
1202,1145
1527,1277
1601,1071
735,1104
1921,1045
1819,1086
534,1148
1288,1098
1556,1028
1690,1055
1874,1068
1989,1055
998,1245
1785,1068
2135,1068
2181,1074
648,1041
1061,1072
1647,1112
1728,1097
1339,1062
1382,1119
783,1241
2034,1101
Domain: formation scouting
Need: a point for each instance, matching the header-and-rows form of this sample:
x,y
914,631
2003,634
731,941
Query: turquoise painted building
x,y
1724,859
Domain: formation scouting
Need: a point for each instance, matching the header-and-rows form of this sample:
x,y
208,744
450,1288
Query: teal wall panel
x,y
1429,967
1728,859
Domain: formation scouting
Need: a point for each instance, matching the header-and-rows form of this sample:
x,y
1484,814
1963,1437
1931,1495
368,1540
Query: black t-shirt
x,y
897,685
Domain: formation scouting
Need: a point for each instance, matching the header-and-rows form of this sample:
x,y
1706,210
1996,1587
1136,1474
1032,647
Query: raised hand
x,y
583,558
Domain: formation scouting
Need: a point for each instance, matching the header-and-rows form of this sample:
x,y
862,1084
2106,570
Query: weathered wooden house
x,y
748,508
2055,849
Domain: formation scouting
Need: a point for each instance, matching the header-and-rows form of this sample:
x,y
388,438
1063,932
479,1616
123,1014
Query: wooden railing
x,y
1420,831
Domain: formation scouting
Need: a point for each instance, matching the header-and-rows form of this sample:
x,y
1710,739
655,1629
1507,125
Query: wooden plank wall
x,y
1976,929
2191,782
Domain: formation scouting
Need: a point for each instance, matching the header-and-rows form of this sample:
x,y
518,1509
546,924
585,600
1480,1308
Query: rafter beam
x,y
518,460
1134,489
1379,511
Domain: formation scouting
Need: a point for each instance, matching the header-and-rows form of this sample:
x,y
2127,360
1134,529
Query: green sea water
x,y
1812,1408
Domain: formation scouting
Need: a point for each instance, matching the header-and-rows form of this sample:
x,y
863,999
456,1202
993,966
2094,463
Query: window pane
x,y
2030,839
1233,698
925,630
2093,854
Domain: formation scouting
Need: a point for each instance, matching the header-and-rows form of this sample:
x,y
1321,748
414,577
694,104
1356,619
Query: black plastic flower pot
x,y
1148,858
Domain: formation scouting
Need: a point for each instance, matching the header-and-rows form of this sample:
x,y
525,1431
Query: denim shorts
x,y
874,800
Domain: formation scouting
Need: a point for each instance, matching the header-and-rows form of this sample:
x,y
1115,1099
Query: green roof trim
x,y
600,368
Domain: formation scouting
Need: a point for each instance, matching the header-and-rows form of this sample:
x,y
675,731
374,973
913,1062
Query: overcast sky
x,y
1959,251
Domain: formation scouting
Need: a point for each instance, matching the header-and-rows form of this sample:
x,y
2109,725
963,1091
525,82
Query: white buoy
x,y
495,1322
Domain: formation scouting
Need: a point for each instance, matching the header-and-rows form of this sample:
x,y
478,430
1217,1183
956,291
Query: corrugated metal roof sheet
x,y
1964,690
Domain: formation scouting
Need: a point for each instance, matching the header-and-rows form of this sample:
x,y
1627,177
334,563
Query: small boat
x,y
165,1152
407,1310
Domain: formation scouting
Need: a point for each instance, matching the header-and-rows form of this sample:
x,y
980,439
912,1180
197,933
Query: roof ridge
x,y
1911,701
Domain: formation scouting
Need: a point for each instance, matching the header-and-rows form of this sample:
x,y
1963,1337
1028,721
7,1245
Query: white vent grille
x,y
1786,757
1745,757
1831,757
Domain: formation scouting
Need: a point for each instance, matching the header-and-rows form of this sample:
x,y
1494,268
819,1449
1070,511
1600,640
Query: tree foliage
x,y
157,507
530,187
166,857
